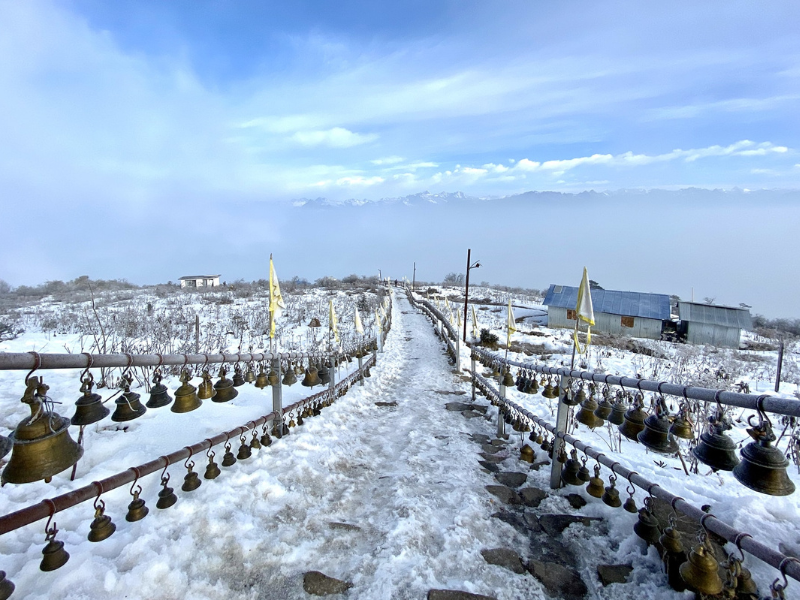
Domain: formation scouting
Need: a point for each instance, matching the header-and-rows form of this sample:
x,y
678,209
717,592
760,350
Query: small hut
x,y
196,281
712,324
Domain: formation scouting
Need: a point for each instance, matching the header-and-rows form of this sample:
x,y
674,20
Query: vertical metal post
x,y
333,371
277,393
197,334
458,353
501,424
780,367
472,366
360,371
466,295
561,427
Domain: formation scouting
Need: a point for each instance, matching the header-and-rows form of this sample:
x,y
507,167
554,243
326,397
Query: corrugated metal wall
x,y
716,335
607,323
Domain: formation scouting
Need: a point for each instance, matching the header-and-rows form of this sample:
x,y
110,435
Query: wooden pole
x,y
780,366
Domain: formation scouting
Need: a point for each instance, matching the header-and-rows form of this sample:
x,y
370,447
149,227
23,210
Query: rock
x,y
498,442
471,414
492,458
505,494
514,519
613,573
539,463
576,500
558,579
386,404
346,526
532,522
480,438
489,449
319,584
457,406
503,557
532,496
456,595
554,525
513,480
491,467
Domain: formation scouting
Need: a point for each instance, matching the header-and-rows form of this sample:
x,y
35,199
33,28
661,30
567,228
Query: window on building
x,y
626,321
191,283
571,316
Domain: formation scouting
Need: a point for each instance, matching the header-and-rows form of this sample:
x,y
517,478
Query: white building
x,y
196,281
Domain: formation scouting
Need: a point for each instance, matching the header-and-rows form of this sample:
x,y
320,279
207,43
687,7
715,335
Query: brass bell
x,y
261,379
228,459
366,372
291,421
716,449
42,444
630,504
573,399
325,375
101,527
186,397
266,440
206,389
225,392
656,434
254,443
274,378
745,586
700,572
53,555
166,497
520,382
682,427
508,378
191,481
289,378
610,496
277,429
238,378
670,540
673,555
89,407
7,587
583,472
604,407
526,453
596,487
586,414
300,419
212,468
159,394
136,509
617,416
128,405
548,391
763,468
634,421
312,378
244,449
569,474
647,525
250,375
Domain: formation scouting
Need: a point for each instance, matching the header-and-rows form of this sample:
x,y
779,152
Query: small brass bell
x,y
244,449
508,378
670,540
745,586
274,378
617,416
700,572
42,444
250,375
526,453
89,407
716,449
261,380
682,427
546,445
291,421
300,419
191,481
238,378
225,392
53,555
573,399
101,527
520,382
604,408
596,487
136,509
228,459
569,474
610,496
647,525
763,467
166,497
159,394
186,397
630,504
289,378
206,389
254,443
548,391
673,555
128,405
277,429
312,378
586,414
656,434
634,421
212,469
324,375
583,473
266,440
7,587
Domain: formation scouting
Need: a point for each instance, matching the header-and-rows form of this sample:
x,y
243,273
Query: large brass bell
x,y
617,416
101,527
763,467
238,377
261,379
42,444
186,397
166,497
610,496
656,434
228,459
225,392
244,449
289,378
634,420
700,572
647,525
595,487
128,405
191,481
53,554
716,449
586,413
206,389
508,378
136,509
159,394
569,474
548,392
89,407
312,378
212,468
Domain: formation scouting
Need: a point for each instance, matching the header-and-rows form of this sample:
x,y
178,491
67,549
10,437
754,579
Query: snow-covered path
x,y
391,499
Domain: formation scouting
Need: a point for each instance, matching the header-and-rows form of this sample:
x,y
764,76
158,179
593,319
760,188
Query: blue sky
x,y
117,114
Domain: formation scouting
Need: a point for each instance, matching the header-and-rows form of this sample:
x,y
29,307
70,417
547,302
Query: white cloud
x,y
473,171
336,137
389,160
359,181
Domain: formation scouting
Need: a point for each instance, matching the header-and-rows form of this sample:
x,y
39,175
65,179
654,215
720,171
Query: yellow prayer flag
x,y
511,325
584,311
359,326
276,304
474,322
333,323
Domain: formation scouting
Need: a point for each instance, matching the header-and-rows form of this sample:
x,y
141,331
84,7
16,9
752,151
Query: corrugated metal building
x,y
710,324
627,313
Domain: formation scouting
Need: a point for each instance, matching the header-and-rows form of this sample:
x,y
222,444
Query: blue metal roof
x,y
629,304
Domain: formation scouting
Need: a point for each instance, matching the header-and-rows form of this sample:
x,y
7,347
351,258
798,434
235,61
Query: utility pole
x,y
414,280
466,290
780,366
